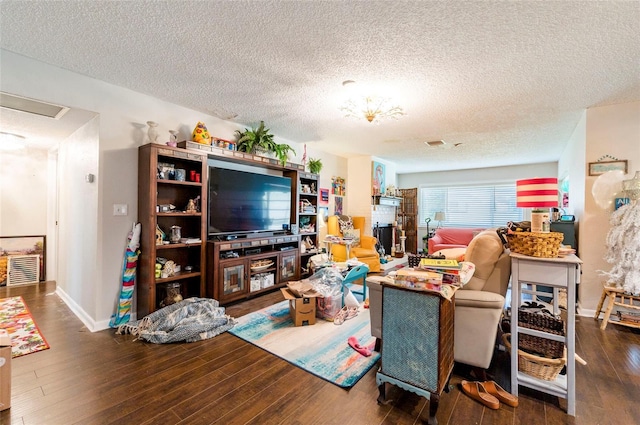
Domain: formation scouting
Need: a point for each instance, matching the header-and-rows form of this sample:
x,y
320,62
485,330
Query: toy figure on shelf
x,y
191,207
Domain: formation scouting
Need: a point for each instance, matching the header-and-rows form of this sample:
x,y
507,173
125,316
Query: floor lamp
x,y
538,193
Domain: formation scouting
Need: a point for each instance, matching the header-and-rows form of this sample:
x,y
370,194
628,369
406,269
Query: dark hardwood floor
x,y
103,378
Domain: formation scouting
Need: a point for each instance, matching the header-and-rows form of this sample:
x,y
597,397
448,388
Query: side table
x,y
562,272
417,348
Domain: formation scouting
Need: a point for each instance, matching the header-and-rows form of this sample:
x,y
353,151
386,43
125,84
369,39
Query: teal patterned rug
x,y
320,349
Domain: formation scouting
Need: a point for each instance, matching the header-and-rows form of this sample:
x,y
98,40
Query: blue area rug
x,y
320,349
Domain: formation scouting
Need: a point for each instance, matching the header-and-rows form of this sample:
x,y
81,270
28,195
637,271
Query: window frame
x,y
447,187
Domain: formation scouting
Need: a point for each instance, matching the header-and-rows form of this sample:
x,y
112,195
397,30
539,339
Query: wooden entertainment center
x,y
227,268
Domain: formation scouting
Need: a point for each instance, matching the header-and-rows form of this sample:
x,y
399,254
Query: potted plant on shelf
x,y
282,152
315,165
255,140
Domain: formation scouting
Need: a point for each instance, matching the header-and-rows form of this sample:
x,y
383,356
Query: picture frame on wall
x,y
338,205
324,196
377,178
324,213
601,167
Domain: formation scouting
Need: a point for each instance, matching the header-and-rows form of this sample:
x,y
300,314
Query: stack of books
x,y
449,270
418,279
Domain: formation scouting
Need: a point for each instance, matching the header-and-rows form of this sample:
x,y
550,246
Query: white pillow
x,y
354,234
452,253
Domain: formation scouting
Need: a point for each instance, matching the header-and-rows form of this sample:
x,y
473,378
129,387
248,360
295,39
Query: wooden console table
x,y
417,348
563,272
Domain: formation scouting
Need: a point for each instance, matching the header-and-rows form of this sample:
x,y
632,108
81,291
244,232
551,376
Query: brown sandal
x,y
476,391
500,393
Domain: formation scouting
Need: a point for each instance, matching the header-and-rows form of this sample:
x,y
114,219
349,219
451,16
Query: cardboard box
x,y
5,370
301,309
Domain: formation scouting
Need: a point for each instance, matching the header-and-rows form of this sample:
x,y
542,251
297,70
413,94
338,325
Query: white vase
x,y
153,131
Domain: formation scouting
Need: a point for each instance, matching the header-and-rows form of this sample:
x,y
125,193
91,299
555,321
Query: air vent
x,y
23,269
31,106
435,143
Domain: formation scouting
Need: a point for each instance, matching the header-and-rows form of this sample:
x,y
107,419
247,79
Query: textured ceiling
x,y
507,80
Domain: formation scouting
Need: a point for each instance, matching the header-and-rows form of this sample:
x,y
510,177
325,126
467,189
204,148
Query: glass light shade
x,y
373,109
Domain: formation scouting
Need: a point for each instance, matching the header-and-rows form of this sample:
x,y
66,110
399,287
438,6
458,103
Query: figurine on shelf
x,y
160,235
173,138
191,207
169,269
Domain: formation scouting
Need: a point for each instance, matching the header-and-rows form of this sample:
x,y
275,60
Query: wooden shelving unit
x,y
244,268
214,272
153,192
408,218
307,200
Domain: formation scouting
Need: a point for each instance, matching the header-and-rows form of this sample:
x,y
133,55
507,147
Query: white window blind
x,y
470,206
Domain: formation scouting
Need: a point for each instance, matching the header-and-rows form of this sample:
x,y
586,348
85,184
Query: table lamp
x,y
538,193
439,217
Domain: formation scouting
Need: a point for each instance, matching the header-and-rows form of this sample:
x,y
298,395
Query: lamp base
x,y
540,221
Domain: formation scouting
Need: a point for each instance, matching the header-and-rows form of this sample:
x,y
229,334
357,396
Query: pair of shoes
x,y
476,391
345,313
500,393
353,343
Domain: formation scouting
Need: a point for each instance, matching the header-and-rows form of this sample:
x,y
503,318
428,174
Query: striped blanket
x,y
190,320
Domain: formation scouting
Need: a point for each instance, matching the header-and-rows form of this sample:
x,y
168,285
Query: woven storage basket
x,y
538,367
534,244
538,345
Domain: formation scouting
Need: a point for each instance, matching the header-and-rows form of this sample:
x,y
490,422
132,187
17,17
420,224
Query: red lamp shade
x,y
537,192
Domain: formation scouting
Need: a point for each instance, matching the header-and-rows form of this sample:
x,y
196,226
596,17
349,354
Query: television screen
x,y
242,202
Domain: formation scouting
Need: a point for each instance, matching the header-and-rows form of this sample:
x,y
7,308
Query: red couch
x,y
452,237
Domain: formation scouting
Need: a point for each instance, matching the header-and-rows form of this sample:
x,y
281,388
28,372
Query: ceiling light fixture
x,y
372,108
11,141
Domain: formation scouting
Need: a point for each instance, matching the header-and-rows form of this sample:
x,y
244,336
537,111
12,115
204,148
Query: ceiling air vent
x,y
435,143
31,106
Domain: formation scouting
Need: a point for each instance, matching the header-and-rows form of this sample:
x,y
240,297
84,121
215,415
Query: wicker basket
x,y
539,345
538,367
534,244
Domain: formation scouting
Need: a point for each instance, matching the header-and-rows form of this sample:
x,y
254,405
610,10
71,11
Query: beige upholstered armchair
x,y
478,306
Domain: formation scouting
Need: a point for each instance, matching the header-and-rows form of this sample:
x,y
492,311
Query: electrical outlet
x,y
119,209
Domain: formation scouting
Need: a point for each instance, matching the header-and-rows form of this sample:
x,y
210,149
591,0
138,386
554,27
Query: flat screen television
x,y
247,202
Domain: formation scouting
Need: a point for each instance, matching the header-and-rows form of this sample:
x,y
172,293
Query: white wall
x,y
610,130
78,238
94,233
23,192
572,165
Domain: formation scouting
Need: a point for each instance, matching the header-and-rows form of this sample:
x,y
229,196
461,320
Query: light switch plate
x,y
120,209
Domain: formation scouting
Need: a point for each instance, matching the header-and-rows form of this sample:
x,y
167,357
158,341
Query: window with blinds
x,y
470,206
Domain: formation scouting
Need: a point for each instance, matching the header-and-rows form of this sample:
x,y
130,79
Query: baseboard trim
x,y
90,324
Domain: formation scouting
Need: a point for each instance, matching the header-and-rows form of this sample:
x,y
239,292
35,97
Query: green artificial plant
x,y
282,152
315,165
255,138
